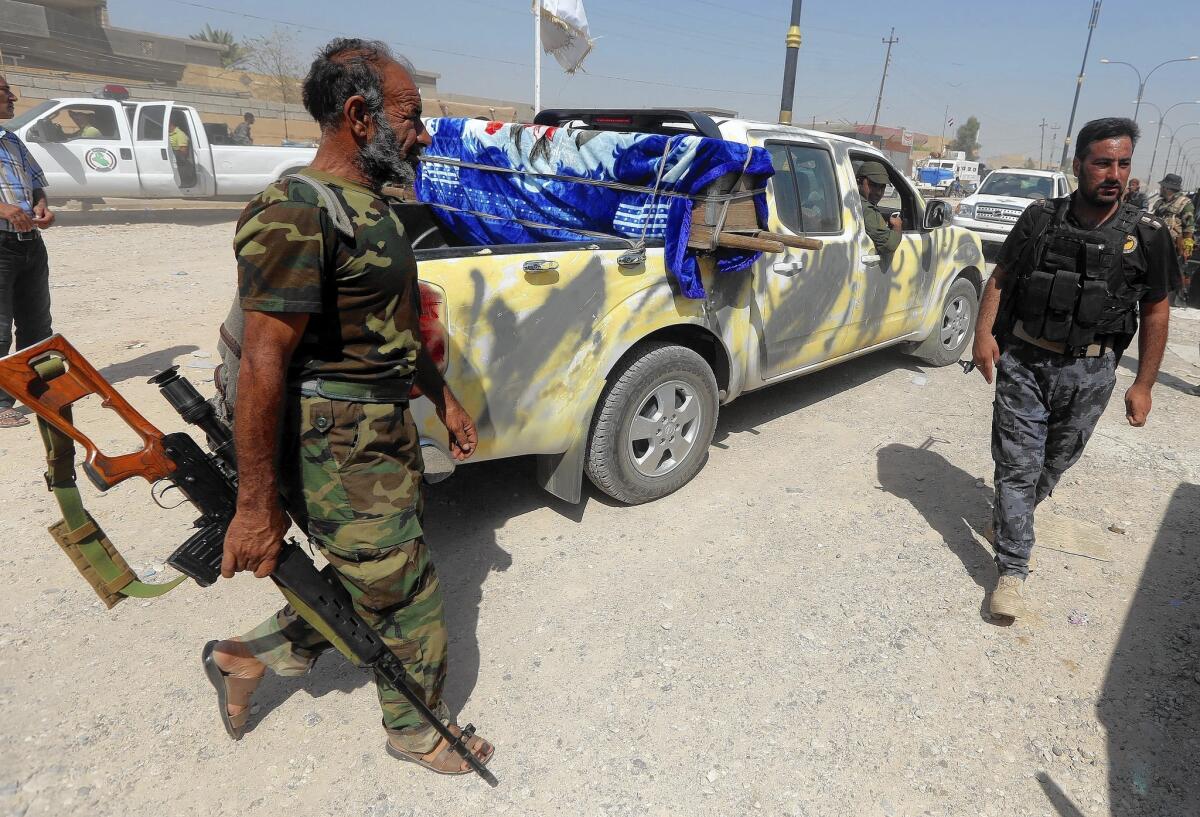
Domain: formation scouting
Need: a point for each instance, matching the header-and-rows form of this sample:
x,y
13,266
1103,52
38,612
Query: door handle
x,y
163,151
787,267
870,259
538,265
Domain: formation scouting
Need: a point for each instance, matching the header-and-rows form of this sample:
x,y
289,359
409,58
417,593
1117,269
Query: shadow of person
x,y
1163,379
1057,797
948,497
330,673
1150,703
462,517
145,365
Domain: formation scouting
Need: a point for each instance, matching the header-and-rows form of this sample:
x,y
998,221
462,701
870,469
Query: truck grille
x,y
997,213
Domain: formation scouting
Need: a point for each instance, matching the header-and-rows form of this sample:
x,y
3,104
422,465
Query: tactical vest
x,y
1074,289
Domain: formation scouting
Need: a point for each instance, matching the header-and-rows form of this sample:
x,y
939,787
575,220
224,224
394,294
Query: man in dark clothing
x,y
1070,284
241,134
1134,194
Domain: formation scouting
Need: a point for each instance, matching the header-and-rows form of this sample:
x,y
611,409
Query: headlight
x,y
965,210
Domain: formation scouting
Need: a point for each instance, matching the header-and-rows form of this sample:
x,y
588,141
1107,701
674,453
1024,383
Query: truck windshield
x,y
23,119
1018,185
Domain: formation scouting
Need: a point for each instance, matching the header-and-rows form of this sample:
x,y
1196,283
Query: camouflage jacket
x,y
1178,214
362,294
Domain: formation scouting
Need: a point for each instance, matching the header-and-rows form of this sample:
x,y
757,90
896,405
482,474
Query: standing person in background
x,y
24,268
1134,194
241,134
1175,210
181,147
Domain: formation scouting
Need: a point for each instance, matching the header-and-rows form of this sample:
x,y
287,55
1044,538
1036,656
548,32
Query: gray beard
x,y
380,159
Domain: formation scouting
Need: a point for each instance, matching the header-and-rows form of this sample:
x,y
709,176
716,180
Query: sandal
x,y
444,760
11,418
230,690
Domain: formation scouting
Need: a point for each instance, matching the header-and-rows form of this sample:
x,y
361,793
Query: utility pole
x,y
1053,139
945,121
1042,145
789,68
1079,81
887,61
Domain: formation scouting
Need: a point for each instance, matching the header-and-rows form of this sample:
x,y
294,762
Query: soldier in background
x,y
1134,194
1177,212
330,350
1070,283
241,134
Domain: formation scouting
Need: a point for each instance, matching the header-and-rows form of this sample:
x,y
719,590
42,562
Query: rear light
x,y
433,327
612,120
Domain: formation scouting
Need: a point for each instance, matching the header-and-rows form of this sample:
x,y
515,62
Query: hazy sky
x,y
1010,63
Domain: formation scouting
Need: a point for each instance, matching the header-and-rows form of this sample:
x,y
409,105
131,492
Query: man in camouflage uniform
x,y
330,349
1049,396
872,180
1179,214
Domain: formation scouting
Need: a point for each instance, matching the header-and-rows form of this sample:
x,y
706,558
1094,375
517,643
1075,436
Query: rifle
x,y
52,375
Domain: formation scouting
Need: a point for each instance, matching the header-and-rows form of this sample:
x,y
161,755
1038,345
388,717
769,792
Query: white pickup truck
x,y
100,148
994,208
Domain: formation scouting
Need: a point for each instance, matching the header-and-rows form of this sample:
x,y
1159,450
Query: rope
x,y
662,166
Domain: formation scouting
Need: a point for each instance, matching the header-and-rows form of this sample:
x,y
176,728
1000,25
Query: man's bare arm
x,y
254,536
1152,341
462,434
985,351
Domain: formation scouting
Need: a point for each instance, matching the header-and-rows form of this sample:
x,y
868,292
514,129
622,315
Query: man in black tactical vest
x,y
1057,314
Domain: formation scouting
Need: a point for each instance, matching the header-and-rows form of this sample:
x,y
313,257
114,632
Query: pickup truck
x,y
992,210
587,357
98,148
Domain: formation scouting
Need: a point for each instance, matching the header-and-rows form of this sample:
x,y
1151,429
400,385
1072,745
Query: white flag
x,y
565,32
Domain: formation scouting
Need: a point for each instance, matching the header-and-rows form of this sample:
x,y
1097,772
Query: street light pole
x,y
1079,80
1161,116
1142,82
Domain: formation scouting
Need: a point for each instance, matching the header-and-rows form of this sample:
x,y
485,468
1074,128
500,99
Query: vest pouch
x,y
1060,308
1034,295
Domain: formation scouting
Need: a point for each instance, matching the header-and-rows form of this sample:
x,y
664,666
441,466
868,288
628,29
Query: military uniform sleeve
x,y
1161,262
1020,235
886,239
1188,219
280,250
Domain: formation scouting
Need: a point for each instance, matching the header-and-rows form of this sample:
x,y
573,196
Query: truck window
x,y
150,123
820,204
804,189
72,122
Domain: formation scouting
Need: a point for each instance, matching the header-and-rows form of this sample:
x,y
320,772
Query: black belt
x,y
9,235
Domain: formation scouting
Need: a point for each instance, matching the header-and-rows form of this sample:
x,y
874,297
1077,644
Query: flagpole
x,y
537,56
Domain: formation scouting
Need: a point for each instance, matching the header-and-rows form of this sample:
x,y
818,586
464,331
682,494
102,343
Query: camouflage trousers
x,y
1046,407
352,475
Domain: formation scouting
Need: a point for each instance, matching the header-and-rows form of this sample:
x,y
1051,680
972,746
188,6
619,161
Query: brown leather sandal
x,y
444,760
11,418
230,690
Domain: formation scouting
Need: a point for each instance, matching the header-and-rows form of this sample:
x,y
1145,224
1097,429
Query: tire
x,y
955,327
626,457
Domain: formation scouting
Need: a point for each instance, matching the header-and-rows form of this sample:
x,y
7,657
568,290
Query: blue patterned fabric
x,y
692,162
20,175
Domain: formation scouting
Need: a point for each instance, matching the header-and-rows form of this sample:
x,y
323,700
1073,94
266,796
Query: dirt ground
x,y
799,631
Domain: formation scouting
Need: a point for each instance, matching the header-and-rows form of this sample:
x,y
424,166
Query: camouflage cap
x,y
1172,181
873,171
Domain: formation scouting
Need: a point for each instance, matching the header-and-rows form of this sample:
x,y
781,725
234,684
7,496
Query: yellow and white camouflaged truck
x,y
569,352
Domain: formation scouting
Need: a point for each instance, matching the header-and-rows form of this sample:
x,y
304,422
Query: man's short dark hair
x,y
1110,127
347,67
249,117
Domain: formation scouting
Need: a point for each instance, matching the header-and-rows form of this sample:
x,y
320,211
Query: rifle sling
x,y
93,555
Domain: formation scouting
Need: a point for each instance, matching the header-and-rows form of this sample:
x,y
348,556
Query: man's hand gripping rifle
x,y
50,376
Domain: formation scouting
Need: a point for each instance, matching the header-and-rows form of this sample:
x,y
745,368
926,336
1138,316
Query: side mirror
x,y
937,214
34,134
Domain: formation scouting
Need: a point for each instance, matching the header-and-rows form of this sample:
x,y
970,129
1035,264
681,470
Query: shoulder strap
x,y
328,202
1126,219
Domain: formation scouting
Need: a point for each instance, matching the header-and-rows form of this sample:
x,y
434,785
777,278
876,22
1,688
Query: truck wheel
x,y
952,334
653,424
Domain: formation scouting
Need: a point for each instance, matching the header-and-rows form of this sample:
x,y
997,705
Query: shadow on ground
x,y
146,365
198,217
948,497
1150,704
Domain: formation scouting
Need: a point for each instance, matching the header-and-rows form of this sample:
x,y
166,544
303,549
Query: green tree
x,y
235,53
965,139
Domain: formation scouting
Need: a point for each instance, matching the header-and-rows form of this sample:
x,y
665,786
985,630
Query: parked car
x,y
591,361
97,148
992,211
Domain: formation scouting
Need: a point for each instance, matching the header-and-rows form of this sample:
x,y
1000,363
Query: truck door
x,y
155,167
198,154
85,150
808,300
895,287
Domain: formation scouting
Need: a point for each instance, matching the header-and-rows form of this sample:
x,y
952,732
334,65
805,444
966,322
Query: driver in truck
x,y
885,232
